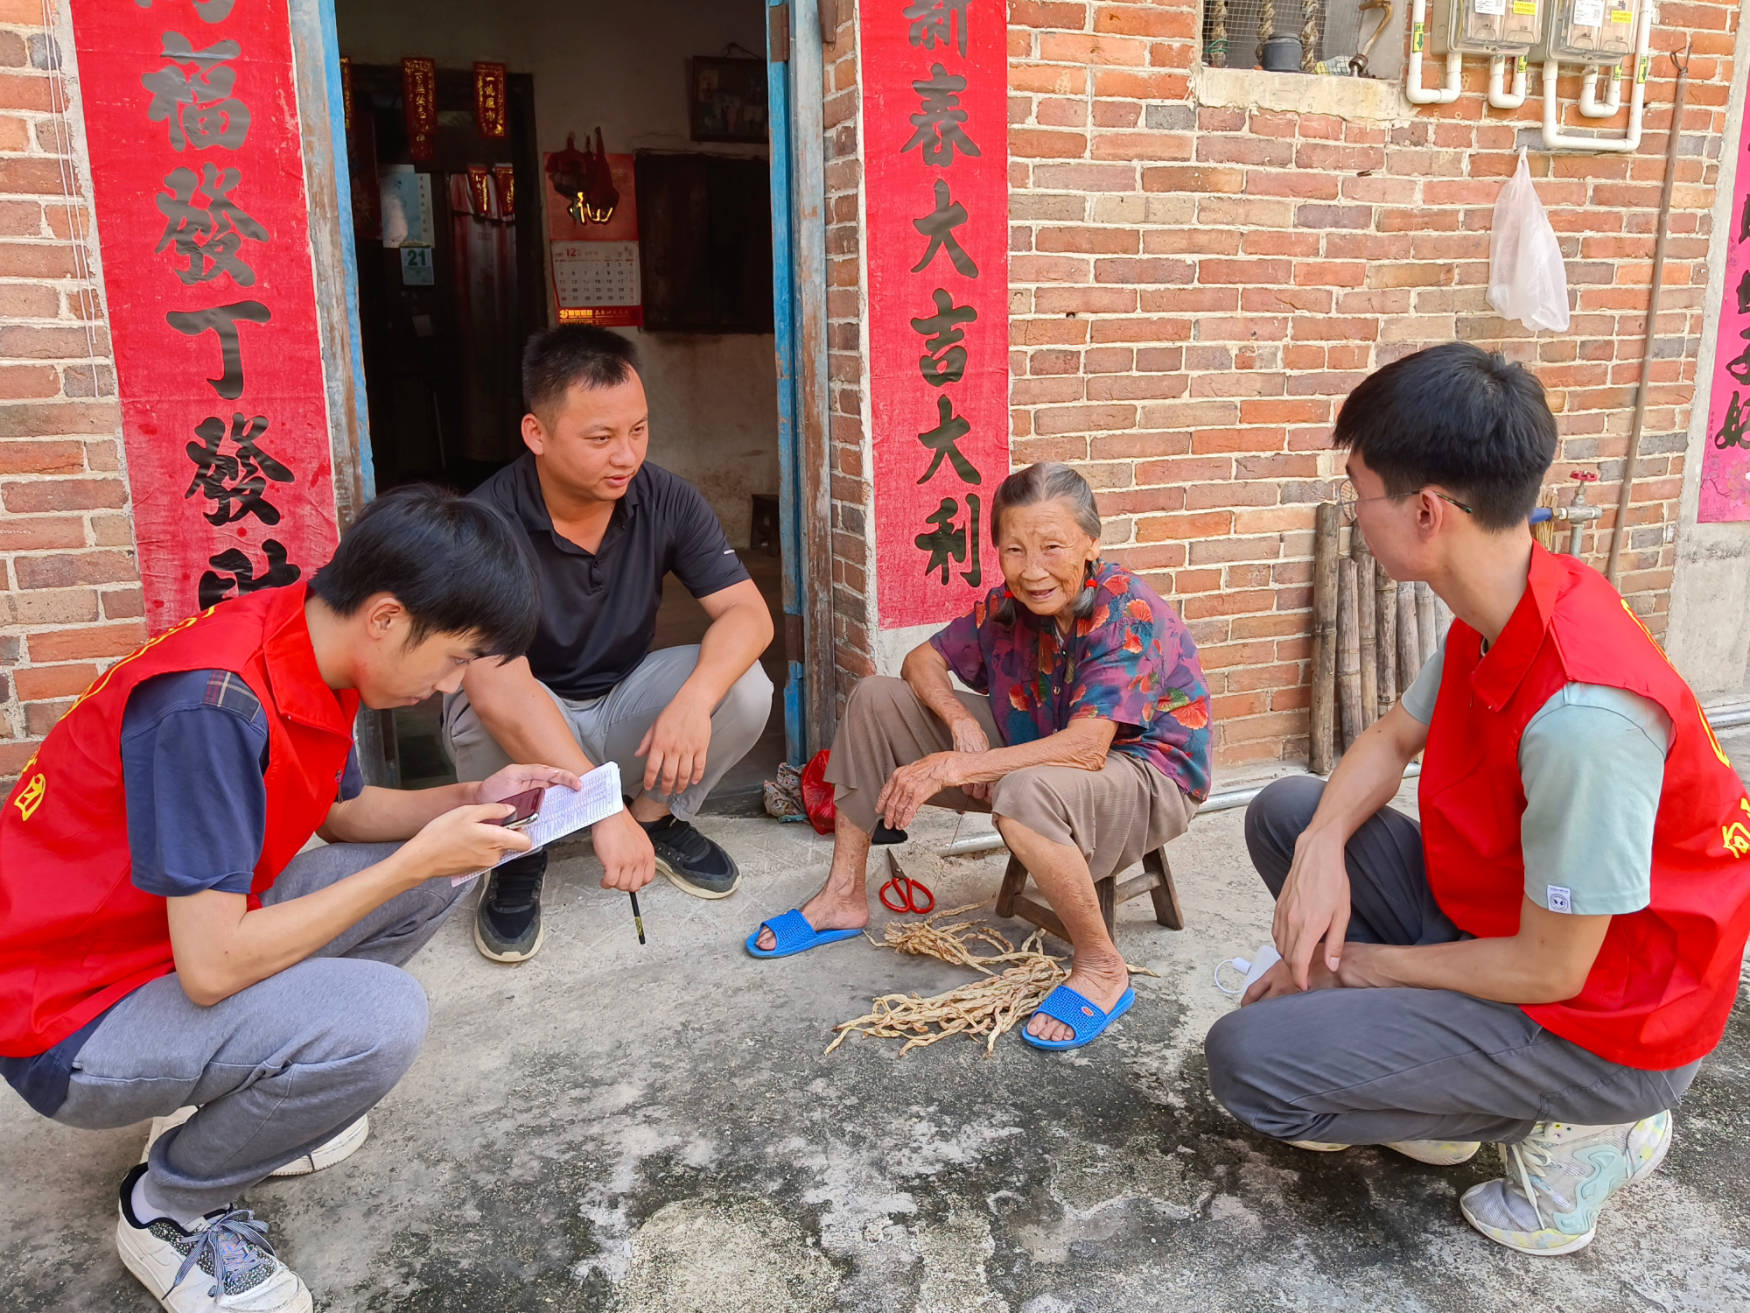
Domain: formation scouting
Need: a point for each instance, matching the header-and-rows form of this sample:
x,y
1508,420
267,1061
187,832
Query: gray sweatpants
x,y
610,727
277,1068
1370,1066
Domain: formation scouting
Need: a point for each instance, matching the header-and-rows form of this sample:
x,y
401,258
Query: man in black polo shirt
x,y
604,528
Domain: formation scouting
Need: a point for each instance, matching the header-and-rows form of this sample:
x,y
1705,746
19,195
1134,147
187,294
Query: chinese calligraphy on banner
x,y
1725,464
936,151
198,174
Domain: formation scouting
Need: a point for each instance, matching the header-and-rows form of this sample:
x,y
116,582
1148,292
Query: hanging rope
x,y
1266,26
1216,52
1313,14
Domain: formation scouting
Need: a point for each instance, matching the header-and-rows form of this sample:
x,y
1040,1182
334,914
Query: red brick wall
x,y
69,589
853,544
1195,289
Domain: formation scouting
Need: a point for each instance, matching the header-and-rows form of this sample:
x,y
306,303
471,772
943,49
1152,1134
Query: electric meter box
x,y
1486,27
1589,31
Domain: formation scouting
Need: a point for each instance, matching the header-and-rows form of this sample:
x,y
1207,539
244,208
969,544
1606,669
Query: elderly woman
x,y
1088,739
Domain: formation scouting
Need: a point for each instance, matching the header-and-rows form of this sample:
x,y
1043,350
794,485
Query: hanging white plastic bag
x,y
1527,280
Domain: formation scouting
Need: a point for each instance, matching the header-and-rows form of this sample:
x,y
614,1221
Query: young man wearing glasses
x,y
1546,959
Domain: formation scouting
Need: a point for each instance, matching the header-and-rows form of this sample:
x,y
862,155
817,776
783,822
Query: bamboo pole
x,y
1365,610
1409,646
1425,636
1321,748
1386,641
1349,714
1442,620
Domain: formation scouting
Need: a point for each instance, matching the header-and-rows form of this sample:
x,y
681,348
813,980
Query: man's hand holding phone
x,y
461,841
503,785
473,837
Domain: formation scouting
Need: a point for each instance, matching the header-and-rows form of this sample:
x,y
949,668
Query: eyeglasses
x,y
1349,499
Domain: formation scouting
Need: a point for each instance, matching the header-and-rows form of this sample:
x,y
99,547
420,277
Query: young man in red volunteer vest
x,y
164,942
1547,960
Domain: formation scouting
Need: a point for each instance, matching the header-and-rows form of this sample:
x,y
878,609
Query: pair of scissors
x,y
908,895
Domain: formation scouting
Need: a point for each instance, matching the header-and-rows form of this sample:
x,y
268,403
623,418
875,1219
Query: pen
x,y
637,916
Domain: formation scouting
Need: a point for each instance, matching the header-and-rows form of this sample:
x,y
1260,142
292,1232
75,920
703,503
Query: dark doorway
x,y
444,314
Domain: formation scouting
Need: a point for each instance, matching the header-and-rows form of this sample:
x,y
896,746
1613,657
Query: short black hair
x,y
1455,415
574,353
455,564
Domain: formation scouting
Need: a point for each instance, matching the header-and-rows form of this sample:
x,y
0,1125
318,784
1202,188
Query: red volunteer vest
x,y
75,934
1666,977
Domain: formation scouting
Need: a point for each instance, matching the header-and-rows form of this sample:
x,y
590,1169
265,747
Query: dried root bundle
x,y
986,1007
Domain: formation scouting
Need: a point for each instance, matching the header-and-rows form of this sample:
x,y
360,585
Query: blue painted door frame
x,y
784,308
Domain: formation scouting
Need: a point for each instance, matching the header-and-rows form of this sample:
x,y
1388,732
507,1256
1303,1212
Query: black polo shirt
x,y
598,610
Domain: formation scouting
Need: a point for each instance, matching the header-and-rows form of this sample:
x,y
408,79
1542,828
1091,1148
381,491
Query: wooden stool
x,y
1156,881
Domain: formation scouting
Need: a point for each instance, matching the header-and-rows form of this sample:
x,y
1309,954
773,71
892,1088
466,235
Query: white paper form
x,y
564,811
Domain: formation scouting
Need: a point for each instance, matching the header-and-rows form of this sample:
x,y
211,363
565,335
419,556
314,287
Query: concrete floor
x,y
655,1129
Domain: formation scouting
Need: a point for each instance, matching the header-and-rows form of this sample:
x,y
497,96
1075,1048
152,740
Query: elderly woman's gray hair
x,y
1048,480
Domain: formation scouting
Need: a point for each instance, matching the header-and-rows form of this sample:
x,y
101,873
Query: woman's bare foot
x,y
1101,981
827,910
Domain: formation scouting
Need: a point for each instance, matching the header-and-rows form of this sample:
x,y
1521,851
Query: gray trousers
x,y
1371,1066
277,1068
610,727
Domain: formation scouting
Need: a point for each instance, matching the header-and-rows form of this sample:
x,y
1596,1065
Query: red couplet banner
x,y
203,222
1725,463
936,158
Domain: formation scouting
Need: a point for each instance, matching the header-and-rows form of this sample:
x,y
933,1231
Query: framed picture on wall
x,y
726,98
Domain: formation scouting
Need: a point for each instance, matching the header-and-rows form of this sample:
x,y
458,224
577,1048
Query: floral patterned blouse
x,y
1131,662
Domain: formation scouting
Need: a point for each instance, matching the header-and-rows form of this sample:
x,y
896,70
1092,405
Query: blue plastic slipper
x,y
794,935
1082,1017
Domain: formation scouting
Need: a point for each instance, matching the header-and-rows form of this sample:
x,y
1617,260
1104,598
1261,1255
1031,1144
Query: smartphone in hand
x,y
528,808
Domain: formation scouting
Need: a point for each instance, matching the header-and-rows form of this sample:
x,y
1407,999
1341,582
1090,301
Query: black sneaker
x,y
507,924
690,860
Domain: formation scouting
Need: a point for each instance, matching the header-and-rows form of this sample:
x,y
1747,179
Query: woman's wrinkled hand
x,y
910,787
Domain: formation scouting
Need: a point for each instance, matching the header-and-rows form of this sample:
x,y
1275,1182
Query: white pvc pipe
x,y
1554,138
1217,802
1499,96
1414,91
1727,716
1608,108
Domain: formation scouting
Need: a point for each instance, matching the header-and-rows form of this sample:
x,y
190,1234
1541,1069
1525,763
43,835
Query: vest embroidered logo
x,y
1736,836
31,795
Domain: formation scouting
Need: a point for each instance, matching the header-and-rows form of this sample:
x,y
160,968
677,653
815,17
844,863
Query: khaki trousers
x,y
1114,815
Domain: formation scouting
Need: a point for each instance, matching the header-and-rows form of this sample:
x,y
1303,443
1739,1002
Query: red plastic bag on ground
x,y
817,795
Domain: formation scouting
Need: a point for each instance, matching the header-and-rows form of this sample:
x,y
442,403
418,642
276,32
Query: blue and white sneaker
x,y
1558,1179
223,1264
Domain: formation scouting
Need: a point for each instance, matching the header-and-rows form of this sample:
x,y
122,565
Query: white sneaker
x,y
1558,1179
224,1264
326,1154
1436,1153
